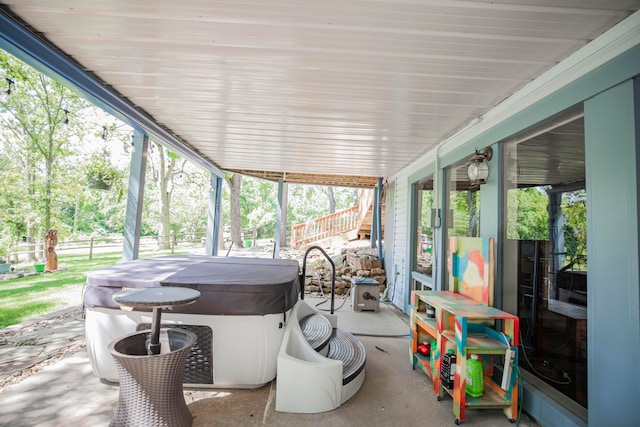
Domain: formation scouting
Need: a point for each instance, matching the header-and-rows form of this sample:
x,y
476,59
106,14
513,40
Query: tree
x,y
332,200
258,203
37,134
54,142
425,215
190,200
574,208
310,201
527,214
235,186
466,206
164,166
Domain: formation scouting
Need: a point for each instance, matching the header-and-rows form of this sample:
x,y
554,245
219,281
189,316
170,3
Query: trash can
x,y
151,392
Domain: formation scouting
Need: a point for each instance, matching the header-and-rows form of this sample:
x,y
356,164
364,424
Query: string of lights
x,y
106,131
11,84
5,94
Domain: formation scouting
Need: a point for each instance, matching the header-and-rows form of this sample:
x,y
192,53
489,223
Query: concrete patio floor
x,y
66,393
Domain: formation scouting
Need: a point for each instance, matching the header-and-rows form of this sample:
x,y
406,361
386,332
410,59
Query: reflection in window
x,y
463,203
545,254
424,230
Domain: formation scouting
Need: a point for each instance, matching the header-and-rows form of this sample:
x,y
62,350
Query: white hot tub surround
x,y
239,319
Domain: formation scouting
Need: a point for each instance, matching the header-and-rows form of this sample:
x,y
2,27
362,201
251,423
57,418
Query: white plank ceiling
x,y
341,88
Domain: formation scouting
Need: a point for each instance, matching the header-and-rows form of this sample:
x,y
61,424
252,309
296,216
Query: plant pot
x,y
5,268
39,268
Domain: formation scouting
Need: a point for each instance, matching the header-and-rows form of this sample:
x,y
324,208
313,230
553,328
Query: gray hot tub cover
x,y
228,286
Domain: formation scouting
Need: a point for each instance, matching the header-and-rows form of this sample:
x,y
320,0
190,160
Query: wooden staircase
x,y
365,224
352,223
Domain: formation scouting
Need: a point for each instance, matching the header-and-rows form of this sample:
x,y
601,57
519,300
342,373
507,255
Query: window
x,y
545,254
463,203
424,230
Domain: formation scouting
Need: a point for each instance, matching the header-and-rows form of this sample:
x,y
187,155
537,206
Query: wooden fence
x,y
29,252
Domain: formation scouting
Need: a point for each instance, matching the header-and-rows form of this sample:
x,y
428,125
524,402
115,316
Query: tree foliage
x,y
312,201
574,208
165,166
528,219
54,143
527,214
37,137
466,212
258,202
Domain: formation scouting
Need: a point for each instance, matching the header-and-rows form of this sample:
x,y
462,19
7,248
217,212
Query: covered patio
x,y
382,94
334,94
67,393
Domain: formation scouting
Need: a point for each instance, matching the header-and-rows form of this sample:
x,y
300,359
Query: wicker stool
x,y
151,391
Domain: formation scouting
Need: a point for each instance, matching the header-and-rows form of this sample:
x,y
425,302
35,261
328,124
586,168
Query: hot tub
x,y
239,318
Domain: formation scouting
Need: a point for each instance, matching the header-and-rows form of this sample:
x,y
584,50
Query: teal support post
x,y
612,138
135,196
374,219
379,219
281,216
214,214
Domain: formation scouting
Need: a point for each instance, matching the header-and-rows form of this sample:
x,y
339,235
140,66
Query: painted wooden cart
x,y
464,322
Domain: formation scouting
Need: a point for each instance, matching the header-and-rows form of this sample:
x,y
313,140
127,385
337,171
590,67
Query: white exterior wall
x,y
396,264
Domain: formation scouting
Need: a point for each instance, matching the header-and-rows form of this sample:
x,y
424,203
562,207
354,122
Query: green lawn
x,y
25,298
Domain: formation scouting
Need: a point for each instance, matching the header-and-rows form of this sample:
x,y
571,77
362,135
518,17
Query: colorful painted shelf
x,y
468,327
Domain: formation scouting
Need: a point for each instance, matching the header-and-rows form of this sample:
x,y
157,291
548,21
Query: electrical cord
x,y
506,340
521,385
395,282
516,372
317,275
545,377
521,399
393,289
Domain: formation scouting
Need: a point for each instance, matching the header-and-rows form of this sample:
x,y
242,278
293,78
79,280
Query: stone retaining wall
x,y
350,264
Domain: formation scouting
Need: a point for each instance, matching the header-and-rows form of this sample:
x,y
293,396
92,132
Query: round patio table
x,y
151,392
156,298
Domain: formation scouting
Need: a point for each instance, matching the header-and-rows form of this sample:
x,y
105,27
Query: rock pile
x,y
351,263
358,260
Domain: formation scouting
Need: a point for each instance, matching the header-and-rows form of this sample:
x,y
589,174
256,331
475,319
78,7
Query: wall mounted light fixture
x,y
478,167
